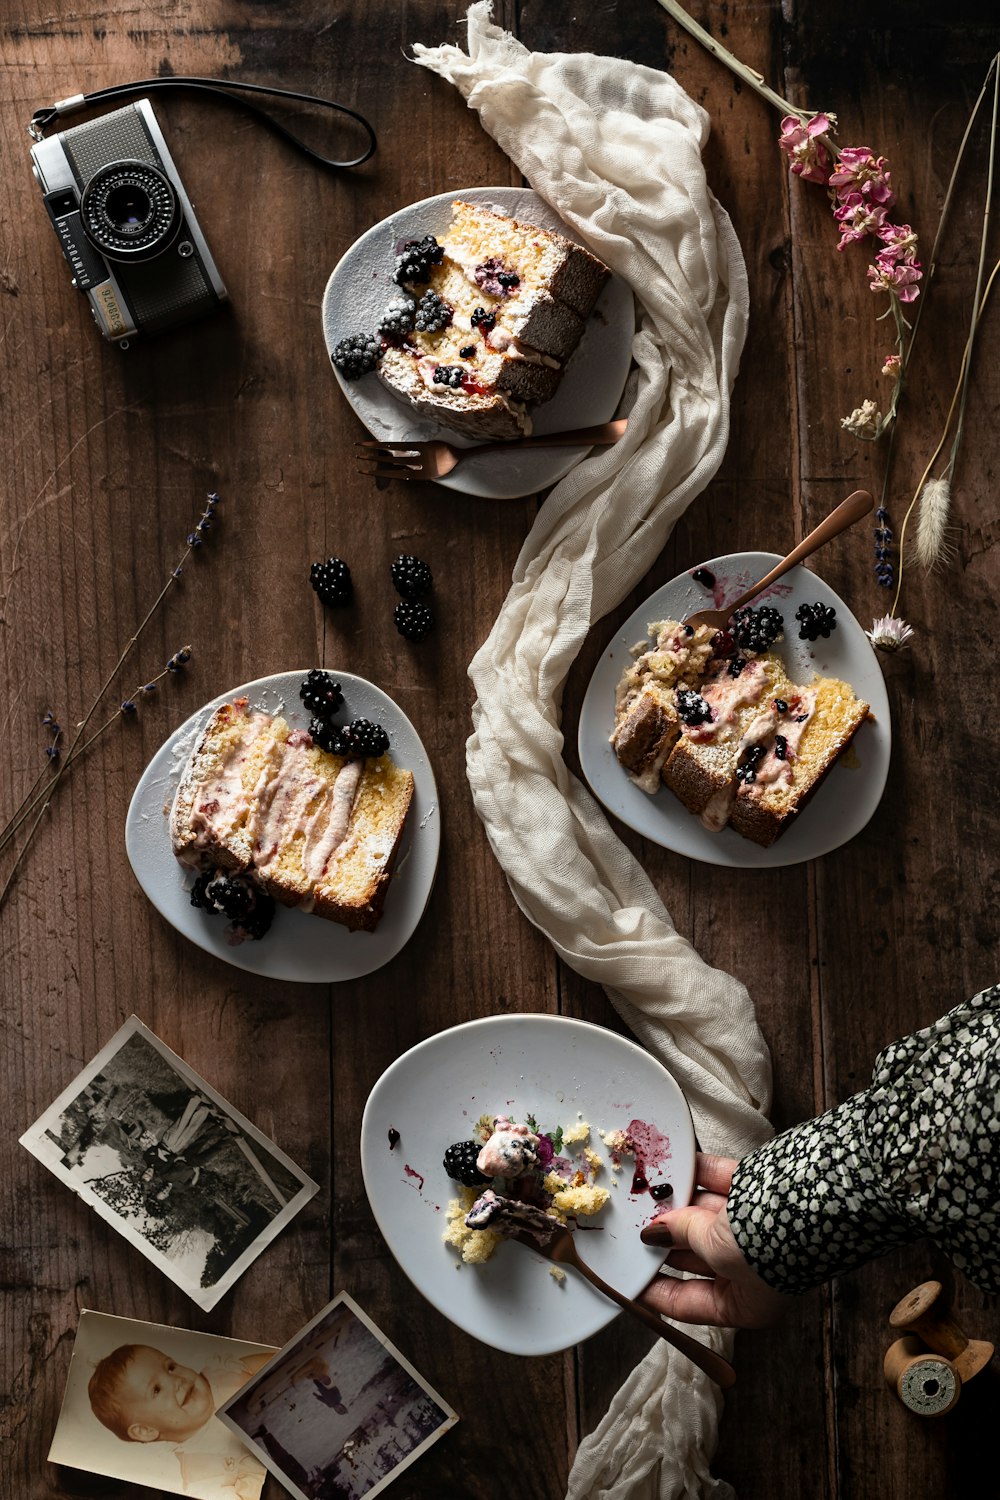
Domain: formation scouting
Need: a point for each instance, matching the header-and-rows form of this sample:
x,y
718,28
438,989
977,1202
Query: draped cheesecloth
x,y
615,148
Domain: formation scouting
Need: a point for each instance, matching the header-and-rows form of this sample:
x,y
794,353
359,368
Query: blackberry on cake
x,y
415,259
413,620
756,629
398,317
432,314
357,355
410,576
320,694
332,581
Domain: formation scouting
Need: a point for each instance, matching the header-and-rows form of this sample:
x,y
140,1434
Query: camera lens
x,y
129,210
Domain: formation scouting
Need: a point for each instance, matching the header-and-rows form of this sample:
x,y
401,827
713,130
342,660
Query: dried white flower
x,y
931,545
864,421
889,633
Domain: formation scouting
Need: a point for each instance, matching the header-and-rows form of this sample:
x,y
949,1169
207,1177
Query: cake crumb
x,y
576,1135
558,1274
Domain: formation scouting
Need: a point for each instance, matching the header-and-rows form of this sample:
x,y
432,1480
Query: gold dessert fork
x,y
847,512
433,460
560,1246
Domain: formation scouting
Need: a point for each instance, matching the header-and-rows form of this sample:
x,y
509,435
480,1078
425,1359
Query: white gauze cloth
x,y
615,148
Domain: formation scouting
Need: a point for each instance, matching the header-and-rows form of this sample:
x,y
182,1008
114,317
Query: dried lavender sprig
x,y
194,540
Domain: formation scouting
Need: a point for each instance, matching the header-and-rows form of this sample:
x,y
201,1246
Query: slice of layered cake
x,y
725,728
312,829
484,322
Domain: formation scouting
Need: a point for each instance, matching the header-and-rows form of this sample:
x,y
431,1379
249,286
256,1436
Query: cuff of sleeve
x,y
807,1206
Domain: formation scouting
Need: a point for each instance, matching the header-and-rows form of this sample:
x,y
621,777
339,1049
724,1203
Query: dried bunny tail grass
x,y
931,545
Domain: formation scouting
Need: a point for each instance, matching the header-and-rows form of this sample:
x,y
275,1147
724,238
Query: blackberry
x,y
359,739
320,694
332,581
413,620
815,620
410,576
756,629
469,352
450,375
692,708
432,314
365,738
414,261
483,320
736,666
230,894
460,1164
780,747
496,278
356,355
329,737
780,706
746,771
398,317
259,919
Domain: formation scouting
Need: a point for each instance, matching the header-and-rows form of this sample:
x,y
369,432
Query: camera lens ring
x,y
129,211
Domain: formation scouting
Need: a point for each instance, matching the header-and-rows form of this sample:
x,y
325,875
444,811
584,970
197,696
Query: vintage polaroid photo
x,y
139,1405
181,1174
338,1413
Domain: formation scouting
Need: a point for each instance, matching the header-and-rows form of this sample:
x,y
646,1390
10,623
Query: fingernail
x,y
655,1234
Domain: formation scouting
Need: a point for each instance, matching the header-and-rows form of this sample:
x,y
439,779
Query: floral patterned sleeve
x,y
916,1154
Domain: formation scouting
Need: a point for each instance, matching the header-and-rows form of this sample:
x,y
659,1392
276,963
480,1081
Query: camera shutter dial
x,y
129,210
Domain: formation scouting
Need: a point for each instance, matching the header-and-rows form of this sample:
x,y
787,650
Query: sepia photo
x,y
339,1412
139,1405
159,1153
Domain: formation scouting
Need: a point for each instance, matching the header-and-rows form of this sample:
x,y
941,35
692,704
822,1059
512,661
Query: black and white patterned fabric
x,y
916,1154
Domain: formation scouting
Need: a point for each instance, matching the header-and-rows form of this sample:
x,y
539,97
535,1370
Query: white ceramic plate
x,y
557,1070
362,284
851,792
298,946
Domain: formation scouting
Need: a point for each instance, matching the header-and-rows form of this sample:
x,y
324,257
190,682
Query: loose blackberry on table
x,y
415,259
332,581
756,629
357,355
320,694
414,621
815,620
410,576
460,1164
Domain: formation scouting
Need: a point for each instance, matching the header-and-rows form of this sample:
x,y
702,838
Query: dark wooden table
x,y
107,458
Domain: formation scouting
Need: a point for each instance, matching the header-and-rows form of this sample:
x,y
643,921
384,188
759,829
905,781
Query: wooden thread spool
x,y
926,1383
922,1312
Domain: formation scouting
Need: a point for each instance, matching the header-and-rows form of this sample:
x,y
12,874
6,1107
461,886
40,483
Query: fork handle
x,y
847,512
604,434
712,1364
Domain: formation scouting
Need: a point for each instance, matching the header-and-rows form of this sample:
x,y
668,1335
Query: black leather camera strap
x,y
218,88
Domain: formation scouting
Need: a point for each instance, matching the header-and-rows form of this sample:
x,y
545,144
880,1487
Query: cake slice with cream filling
x,y
312,829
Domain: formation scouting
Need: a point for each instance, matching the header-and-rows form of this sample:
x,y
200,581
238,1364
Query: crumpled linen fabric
x,y
615,149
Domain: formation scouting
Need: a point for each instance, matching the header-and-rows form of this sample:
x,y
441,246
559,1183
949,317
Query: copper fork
x,y
560,1246
432,460
847,512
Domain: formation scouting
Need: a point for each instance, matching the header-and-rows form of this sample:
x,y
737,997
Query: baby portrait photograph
x,y
160,1155
339,1412
140,1405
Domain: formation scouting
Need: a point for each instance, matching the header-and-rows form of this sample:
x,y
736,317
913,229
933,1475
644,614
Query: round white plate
x,y
851,792
559,1071
362,284
298,946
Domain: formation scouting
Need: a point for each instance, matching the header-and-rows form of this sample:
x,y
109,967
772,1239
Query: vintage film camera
x,y
126,224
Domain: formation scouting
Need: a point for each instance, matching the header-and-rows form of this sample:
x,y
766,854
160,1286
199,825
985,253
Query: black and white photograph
x,y
180,1173
139,1405
339,1412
